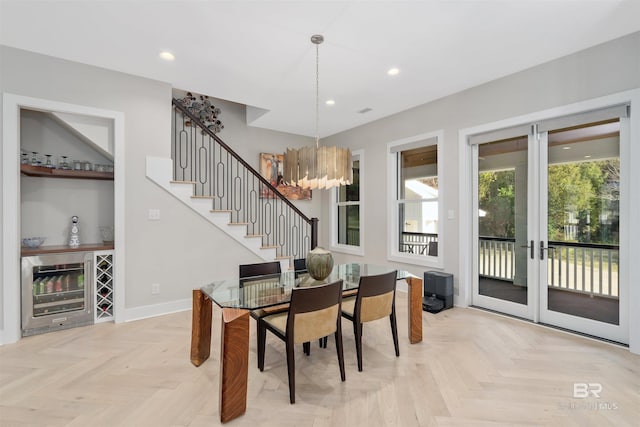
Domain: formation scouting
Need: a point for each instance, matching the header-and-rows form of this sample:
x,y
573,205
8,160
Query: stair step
x,y
202,197
268,247
254,235
183,182
284,257
238,223
219,211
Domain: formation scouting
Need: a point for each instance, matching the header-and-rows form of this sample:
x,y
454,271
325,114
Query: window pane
x,y
419,173
418,227
351,193
349,225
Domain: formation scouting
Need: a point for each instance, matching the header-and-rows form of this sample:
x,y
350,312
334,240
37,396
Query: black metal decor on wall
x,y
200,156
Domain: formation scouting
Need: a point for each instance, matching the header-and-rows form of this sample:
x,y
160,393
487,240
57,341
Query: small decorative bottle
x,y
74,238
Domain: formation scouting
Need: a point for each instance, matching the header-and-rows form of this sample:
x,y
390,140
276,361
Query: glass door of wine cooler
x,y
56,291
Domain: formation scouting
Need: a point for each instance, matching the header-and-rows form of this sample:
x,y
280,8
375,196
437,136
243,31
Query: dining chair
x,y
314,312
300,264
259,269
249,277
376,299
300,268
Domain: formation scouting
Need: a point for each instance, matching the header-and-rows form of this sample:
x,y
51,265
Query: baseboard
x,y
155,310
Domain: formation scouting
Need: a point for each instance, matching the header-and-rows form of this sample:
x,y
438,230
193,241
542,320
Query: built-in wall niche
x,y
48,203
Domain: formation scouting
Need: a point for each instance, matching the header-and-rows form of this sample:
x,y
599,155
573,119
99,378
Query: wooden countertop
x,y
55,249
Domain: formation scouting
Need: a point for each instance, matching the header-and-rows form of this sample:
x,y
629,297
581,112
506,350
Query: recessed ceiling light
x,y
330,102
393,71
167,56
566,148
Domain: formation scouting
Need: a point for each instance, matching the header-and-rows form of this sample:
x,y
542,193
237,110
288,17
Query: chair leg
x,y
322,342
358,336
291,369
394,331
338,336
262,339
306,347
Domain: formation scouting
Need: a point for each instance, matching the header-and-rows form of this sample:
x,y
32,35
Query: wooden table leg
x,y
234,363
415,309
200,328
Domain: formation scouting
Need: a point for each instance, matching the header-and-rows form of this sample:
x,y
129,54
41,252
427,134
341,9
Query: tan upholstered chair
x,y
314,313
376,299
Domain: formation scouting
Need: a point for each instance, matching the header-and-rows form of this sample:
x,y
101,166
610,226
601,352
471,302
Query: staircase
x,y
209,177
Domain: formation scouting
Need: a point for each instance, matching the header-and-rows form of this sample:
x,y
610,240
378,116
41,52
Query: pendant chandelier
x,y
318,167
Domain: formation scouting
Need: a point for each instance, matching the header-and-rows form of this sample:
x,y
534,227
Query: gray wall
x,y
181,251
47,204
605,69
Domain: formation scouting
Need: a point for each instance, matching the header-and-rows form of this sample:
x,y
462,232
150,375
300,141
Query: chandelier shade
x,y
318,167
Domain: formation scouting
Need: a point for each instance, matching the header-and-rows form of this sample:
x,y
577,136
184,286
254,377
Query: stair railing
x,y
217,171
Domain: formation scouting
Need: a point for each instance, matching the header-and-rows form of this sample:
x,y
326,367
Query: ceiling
x,y
259,53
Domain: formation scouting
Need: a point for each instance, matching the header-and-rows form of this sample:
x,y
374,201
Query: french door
x,y
547,200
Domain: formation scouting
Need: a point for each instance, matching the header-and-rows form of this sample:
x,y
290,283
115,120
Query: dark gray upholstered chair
x,y
300,264
249,277
259,269
314,313
376,299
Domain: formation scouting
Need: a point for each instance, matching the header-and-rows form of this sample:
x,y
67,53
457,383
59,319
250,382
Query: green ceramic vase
x,y
319,263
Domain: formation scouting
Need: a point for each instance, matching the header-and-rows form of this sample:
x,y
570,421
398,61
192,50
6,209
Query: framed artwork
x,y
271,168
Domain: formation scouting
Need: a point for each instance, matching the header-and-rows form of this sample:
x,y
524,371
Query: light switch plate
x,y
154,214
451,214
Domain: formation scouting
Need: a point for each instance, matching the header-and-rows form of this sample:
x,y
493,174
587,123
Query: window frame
x,y
333,217
394,149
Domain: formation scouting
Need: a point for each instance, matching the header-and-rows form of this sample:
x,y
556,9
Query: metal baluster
x,y
583,284
610,280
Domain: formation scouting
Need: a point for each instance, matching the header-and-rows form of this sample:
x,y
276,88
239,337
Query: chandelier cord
x,y
317,95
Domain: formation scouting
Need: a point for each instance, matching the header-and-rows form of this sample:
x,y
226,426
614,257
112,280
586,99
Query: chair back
x,y
314,312
376,297
433,249
259,269
300,264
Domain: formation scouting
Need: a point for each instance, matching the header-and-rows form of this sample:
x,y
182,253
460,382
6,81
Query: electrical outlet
x,y
154,214
155,288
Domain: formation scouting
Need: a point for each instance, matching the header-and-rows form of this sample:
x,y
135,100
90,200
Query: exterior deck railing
x,y
497,258
579,267
418,243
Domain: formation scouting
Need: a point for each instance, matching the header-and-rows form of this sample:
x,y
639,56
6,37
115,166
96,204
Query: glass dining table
x,y
237,297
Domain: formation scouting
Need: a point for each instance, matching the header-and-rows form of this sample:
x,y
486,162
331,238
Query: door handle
x,y
532,249
542,249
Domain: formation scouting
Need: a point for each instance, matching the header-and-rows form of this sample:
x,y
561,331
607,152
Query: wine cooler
x,y
56,292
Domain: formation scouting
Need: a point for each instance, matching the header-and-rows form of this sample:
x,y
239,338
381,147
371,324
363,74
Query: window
x,y
347,211
415,228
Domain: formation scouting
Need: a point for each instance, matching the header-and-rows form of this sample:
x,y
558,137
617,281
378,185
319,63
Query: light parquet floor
x,y
472,369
